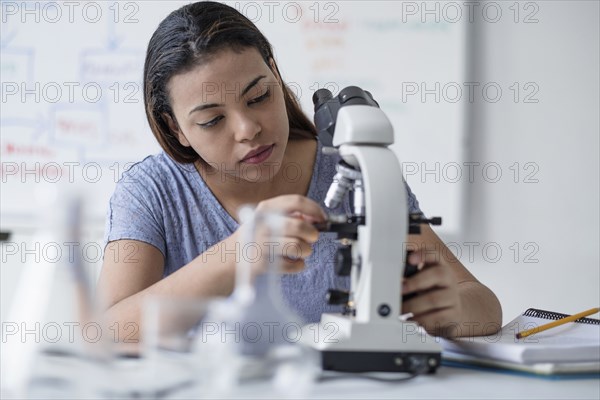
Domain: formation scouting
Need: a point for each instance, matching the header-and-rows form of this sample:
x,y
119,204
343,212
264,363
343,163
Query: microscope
x,y
369,335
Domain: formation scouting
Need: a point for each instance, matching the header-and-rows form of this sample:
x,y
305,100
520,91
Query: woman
x,y
232,132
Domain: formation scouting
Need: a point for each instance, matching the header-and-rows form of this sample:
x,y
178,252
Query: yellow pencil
x,y
558,322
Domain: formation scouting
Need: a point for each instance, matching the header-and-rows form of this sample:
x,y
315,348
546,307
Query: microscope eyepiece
x,y
321,97
355,95
327,107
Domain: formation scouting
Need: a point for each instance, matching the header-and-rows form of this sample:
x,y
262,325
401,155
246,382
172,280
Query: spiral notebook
x,y
574,342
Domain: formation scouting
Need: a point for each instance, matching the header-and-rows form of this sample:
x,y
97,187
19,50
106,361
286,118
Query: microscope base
x,y
346,344
362,361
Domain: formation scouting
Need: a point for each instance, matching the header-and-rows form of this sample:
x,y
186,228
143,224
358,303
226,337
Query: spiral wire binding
x,y
534,312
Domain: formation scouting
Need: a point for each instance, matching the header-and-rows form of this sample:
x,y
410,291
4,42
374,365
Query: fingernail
x,y
407,316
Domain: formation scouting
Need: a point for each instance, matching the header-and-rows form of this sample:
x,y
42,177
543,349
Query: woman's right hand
x,y
292,244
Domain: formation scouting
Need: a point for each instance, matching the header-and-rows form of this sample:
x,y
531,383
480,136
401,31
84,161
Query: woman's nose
x,y
246,128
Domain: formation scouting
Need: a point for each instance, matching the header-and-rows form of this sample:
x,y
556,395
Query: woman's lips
x,y
260,155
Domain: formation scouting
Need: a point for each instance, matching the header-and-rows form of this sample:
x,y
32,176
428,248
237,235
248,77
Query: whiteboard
x,y
72,107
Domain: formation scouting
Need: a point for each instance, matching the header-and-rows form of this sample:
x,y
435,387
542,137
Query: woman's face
x,y
231,111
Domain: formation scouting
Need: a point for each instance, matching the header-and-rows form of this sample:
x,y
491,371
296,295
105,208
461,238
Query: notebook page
x,y
536,368
567,343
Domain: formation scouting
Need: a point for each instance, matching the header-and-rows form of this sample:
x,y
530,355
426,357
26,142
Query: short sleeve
x,y
134,211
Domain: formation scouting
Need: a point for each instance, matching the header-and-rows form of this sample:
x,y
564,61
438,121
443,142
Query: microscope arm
x,y
382,257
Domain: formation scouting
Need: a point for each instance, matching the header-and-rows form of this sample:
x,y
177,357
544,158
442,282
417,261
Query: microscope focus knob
x,y
343,262
336,297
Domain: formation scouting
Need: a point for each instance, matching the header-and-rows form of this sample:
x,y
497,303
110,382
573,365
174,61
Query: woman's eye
x,y
255,100
260,98
212,122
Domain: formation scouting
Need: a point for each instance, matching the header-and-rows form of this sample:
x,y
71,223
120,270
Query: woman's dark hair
x,y
185,39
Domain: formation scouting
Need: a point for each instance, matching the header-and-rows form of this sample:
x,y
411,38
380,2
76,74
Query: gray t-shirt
x,y
168,205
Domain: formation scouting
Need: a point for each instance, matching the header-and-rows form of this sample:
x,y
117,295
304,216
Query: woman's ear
x,y
174,127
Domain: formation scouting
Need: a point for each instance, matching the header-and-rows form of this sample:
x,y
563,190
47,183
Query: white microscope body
x,y
371,336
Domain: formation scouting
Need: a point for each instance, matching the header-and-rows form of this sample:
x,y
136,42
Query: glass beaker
x,y
254,333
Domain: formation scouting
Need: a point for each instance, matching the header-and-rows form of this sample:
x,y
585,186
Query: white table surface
x,y
446,383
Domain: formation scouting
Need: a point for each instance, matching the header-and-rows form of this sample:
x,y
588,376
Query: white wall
x,y
559,214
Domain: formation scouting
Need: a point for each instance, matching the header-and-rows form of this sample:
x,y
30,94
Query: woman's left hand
x,y
436,305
